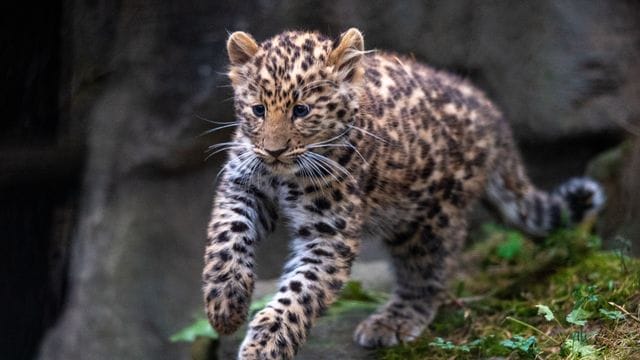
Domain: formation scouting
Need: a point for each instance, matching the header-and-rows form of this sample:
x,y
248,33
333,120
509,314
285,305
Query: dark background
x,y
104,192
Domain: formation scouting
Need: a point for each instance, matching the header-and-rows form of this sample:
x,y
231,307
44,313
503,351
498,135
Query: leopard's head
x,y
296,94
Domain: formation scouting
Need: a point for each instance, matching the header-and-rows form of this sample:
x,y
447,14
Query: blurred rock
x,y
204,349
146,195
557,69
565,73
619,171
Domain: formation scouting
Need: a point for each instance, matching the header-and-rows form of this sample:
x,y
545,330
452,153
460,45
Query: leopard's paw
x,y
385,329
270,337
227,307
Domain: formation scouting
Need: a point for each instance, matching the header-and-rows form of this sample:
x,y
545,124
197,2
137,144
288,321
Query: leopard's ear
x,y
241,47
346,55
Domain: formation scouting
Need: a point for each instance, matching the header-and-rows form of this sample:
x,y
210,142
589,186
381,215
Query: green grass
x,y
562,299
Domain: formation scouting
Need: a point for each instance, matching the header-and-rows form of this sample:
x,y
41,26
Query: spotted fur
x,y
354,146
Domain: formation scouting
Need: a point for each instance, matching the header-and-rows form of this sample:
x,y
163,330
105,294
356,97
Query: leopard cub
x,y
351,145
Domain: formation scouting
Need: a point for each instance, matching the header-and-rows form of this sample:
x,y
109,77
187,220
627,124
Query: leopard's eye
x,y
300,110
258,110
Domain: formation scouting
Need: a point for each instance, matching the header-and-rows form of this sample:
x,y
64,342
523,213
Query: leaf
x,y
511,247
198,328
476,342
578,316
579,349
585,295
443,344
440,343
545,311
612,314
526,346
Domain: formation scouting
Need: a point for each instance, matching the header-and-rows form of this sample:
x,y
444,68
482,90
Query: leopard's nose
x,y
276,153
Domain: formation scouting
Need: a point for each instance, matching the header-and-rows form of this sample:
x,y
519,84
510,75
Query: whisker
x,y
368,133
305,171
222,150
320,175
223,168
332,139
321,162
257,163
210,131
255,170
226,147
248,171
211,147
214,153
317,169
357,152
215,122
342,145
325,145
331,163
243,167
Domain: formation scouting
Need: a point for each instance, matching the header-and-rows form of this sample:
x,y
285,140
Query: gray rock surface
x,y
618,171
557,69
139,72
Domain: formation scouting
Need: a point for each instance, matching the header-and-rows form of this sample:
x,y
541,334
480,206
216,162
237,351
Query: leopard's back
x,y
430,139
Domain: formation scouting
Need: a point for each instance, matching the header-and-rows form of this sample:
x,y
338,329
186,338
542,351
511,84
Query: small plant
x,y
546,312
612,314
525,346
440,343
623,251
578,316
199,328
576,347
512,246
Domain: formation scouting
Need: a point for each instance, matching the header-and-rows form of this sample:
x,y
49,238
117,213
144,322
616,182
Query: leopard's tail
x,y
538,212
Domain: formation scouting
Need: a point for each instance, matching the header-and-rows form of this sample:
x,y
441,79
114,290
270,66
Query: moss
x,y
448,320
493,312
353,298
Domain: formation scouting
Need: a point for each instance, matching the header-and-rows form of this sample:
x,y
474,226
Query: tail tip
x,y
584,198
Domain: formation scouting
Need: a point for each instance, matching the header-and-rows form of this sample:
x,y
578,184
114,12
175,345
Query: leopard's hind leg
x,y
423,256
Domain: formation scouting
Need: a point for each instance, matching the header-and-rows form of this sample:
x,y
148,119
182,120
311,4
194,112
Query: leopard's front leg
x,y
242,215
327,228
